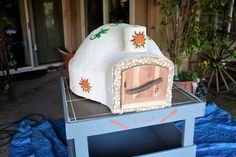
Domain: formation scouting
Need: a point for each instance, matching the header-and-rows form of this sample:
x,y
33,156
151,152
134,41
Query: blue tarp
x,y
215,136
42,139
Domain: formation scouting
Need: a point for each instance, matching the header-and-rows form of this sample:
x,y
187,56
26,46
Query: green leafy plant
x,y
180,25
7,60
201,27
217,61
187,76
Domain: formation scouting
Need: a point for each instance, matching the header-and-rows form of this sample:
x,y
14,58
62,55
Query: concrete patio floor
x,y
227,101
39,95
43,95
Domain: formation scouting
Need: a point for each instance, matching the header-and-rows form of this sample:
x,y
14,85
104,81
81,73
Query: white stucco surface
x,y
97,54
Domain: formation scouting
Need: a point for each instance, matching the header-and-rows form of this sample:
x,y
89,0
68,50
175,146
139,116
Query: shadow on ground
x,y
227,101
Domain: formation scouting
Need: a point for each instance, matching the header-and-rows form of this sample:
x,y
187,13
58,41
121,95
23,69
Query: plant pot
x,y
186,85
66,58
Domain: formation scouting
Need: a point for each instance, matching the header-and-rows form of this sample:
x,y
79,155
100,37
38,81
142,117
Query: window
x,y
119,11
93,14
99,12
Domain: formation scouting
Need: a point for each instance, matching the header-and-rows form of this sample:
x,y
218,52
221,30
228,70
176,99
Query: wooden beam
x,y
68,25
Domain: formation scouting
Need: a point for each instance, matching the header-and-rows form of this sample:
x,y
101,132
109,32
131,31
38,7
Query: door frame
x,y
32,44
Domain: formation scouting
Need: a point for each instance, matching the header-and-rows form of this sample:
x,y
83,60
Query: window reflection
x,y
48,11
119,11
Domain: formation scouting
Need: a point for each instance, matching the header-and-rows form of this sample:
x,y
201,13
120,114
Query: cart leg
x,y
188,132
81,147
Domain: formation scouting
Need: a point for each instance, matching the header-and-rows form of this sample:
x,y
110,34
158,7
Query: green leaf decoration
x,y
99,34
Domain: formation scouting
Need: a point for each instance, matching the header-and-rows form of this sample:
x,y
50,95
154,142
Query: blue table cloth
x,y
215,136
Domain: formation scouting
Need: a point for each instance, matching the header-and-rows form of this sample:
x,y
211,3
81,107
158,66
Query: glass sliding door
x,y
119,11
48,30
99,12
93,14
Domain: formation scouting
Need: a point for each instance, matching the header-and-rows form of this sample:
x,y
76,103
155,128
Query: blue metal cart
x,y
92,130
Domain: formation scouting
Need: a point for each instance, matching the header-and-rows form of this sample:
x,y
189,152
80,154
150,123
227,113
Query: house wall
x,y
72,24
154,29
146,13
140,12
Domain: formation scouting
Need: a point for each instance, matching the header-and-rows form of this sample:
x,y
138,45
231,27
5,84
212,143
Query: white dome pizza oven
x,y
122,68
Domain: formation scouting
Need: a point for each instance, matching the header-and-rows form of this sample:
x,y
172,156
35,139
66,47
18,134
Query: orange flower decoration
x,y
138,39
85,85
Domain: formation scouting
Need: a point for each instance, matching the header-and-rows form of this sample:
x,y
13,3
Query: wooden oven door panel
x,y
139,76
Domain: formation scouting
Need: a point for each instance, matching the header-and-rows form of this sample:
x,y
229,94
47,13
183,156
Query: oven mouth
x,y
135,80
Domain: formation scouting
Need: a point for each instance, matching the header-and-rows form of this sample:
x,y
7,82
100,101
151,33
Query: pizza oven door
x,y
143,86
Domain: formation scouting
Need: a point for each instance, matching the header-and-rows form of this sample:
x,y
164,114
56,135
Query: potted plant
x,y
187,80
180,27
66,56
